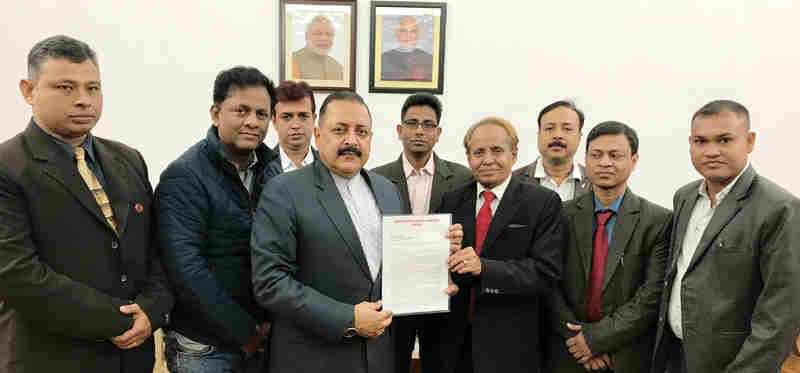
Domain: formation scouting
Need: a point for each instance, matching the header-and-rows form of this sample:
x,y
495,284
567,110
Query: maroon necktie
x,y
594,309
481,228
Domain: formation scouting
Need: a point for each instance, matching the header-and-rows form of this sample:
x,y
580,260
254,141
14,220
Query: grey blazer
x,y
527,174
632,285
740,294
309,270
447,176
275,167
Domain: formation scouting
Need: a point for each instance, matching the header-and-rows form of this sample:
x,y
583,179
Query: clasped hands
x,y
138,333
583,354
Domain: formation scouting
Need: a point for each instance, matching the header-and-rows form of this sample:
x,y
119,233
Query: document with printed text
x,y
415,251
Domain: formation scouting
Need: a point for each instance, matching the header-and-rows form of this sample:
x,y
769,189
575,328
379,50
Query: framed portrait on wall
x,y
318,43
407,47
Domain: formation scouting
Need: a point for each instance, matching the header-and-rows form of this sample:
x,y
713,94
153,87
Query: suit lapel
x,y
725,212
582,224
398,177
61,168
624,226
117,183
682,215
440,176
505,212
328,196
465,214
584,185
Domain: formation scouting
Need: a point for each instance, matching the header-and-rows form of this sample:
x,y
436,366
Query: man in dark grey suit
x,y
79,262
603,314
317,251
560,125
294,118
731,300
422,178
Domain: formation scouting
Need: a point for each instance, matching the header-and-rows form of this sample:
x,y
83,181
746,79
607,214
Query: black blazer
x,y
632,285
528,174
63,269
521,261
740,294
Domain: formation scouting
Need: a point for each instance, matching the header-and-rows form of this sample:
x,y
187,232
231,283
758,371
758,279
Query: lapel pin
x,y
139,208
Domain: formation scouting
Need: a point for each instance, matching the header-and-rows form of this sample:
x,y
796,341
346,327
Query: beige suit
x,y
307,64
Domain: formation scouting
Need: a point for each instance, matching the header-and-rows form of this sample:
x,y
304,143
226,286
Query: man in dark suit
x,y
78,261
422,178
603,314
316,249
731,300
205,203
513,242
294,118
560,125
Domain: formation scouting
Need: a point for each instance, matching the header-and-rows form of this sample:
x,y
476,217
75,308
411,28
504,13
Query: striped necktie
x,y
94,186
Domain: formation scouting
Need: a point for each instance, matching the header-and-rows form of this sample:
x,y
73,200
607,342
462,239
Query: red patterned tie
x,y
594,308
481,228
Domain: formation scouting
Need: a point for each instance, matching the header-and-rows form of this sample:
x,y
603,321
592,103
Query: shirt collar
x,y
253,161
498,190
87,145
614,206
727,189
287,163
539,172
408,168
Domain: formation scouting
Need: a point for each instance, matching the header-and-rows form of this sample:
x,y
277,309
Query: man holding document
x,y
513,242
317,251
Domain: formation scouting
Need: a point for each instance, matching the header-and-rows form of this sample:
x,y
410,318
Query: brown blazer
x,y
632,285
63,270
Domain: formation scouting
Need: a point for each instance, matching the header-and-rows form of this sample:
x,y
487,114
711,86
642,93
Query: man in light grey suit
x,y
731,301
560,126
422,178
316,249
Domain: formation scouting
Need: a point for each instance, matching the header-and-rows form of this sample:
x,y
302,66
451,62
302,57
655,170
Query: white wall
x,y
647,63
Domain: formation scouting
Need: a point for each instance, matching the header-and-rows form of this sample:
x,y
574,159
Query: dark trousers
x,y
676,360
405,331
464,364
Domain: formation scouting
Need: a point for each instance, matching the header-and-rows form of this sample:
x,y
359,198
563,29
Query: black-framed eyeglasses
x,y
427,125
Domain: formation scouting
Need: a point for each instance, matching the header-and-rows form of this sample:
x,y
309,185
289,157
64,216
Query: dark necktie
x,y
481,228
594,308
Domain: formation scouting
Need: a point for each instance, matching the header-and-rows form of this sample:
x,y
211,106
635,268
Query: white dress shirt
x,y
498,191
698,221
366,217
567,188
287,164
419,184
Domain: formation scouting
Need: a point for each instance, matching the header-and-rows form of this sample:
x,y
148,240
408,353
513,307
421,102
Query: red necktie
x,y
594,308
481,228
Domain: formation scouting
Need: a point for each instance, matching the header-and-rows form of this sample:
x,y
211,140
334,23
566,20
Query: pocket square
x,y
517,226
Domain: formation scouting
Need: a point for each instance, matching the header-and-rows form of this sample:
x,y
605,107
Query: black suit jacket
x,y
447,176
740,296
521,261
63,269
632,284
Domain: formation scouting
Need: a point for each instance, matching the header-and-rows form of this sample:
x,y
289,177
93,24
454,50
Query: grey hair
x,y
317,19
59,46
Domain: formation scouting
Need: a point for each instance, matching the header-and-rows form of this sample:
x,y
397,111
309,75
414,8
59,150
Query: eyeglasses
x,y
413,124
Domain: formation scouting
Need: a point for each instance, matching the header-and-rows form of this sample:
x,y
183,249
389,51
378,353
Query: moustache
x,y
557,143
349,150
